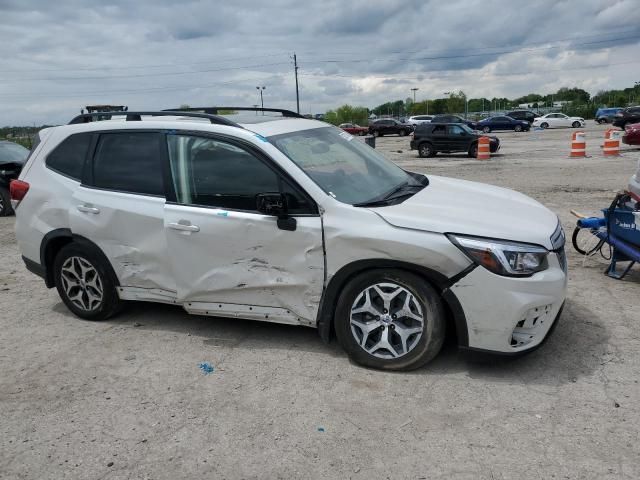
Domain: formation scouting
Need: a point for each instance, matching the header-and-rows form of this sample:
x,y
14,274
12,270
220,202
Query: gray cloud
x,y
60,56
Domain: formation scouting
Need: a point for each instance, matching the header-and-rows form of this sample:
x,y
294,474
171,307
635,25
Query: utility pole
x,y
295,69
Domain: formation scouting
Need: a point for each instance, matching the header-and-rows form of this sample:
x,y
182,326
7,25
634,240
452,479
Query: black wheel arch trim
x,y
442,283
47,255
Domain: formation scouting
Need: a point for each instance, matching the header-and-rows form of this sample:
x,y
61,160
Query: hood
x,y
449,205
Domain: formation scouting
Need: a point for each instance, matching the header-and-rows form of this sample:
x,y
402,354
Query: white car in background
x,y
419,119
558,120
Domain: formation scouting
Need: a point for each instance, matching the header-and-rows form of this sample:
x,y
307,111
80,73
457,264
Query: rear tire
x,y
390,319
5,203
376,133
86,285
402,133
518,128
425,150
602,121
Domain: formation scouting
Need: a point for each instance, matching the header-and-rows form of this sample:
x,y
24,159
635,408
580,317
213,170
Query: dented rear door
x,y
227,255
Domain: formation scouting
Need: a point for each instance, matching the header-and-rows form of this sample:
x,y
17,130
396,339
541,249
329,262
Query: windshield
x,y
12,153
341,165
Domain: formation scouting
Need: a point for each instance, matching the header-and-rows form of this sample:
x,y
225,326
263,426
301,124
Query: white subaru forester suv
x,y
291,221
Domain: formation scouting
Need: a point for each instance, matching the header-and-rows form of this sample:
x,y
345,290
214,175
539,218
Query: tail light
x,y
18,189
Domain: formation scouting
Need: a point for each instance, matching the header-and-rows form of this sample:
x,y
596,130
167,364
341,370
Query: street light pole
x,y
414,90
260,89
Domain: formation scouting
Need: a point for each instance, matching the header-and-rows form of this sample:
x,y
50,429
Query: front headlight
x,y
511,259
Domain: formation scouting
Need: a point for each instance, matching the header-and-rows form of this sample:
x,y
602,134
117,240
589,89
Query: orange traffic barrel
x,y
578,145
611,145
484,148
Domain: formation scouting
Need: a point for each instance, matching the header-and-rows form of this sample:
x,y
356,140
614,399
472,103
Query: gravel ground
x,y
125,398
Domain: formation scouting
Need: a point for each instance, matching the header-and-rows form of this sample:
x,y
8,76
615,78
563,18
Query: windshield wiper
x,y
402,190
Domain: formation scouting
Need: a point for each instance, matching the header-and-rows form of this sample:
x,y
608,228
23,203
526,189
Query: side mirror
x,y
275,204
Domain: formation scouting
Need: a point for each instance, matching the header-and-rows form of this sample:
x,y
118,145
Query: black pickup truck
x,y
12,159
431,138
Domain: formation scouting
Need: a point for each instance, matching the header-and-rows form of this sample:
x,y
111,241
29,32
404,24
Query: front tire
x,y
602,121
390,319
518,128
5,203
544,125
376,133
86,285
402,133
473,150
575,124
486,129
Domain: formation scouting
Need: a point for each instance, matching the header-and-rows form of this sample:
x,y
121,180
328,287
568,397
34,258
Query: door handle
x,y
184,227
88,209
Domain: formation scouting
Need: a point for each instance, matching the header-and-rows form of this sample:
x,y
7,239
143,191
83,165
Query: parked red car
x,y
632,134
354,128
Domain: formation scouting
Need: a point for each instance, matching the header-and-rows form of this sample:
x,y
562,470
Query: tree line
x,y
578,102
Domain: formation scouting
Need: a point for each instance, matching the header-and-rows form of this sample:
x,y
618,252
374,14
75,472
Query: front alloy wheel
x,y
486,129
390,319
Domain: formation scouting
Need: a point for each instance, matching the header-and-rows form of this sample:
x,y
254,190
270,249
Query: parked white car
x,y
418,119
558,120
290,221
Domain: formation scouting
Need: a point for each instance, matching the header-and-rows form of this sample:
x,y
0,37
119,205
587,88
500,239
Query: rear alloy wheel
x,y
376,133
518,128
390,319
544,125
486,129
602,121
5,203
85,284
575,124
425,150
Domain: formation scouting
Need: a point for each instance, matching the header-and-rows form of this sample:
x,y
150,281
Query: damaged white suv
x,y
290,221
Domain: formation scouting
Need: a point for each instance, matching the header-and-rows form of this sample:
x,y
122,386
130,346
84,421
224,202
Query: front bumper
x,y
511,315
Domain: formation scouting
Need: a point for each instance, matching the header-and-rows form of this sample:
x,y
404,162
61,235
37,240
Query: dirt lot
x,y
126,399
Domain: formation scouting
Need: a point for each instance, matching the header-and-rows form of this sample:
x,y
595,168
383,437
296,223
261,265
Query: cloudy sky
x,y
58,56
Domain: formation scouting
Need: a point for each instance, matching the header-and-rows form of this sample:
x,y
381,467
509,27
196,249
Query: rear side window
x,y
129,162
68,157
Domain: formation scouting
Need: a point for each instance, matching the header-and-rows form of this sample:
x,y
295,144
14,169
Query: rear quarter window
x,y
68,157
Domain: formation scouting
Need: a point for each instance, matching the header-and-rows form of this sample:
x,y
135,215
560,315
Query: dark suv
x,y
526,115
431,138
389,126
628,115
12,159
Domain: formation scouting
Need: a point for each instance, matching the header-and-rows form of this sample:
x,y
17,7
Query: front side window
x,y
455,130
345,168
68,157
129,162
214,173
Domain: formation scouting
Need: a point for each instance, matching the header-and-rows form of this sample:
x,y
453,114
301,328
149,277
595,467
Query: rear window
x,y
68,157
129,162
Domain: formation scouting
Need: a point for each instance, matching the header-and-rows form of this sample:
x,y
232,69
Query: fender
x,y
54,240
332,291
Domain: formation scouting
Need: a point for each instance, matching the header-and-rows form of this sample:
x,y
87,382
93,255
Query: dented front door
x,y
227,258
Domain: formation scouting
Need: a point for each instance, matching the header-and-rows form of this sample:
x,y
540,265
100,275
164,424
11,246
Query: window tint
x,y
439,130
129,162
68,157
213,173
455,130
